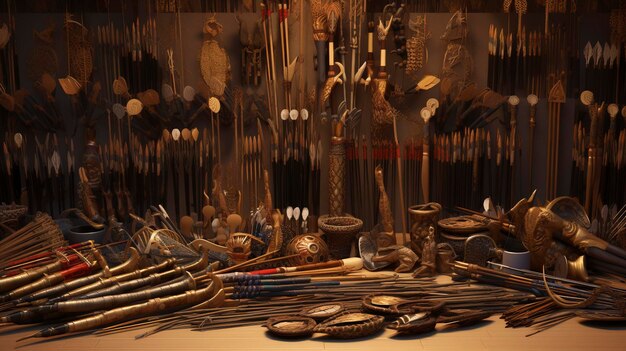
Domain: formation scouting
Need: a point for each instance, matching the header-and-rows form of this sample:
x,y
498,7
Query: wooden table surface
x,y
574,334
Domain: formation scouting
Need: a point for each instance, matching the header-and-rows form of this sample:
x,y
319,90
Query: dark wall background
x,y
592,27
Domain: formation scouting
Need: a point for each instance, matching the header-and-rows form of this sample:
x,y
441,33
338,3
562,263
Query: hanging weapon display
x,y
143,187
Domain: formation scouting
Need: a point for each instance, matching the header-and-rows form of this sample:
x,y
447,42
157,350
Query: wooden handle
x,y
425,174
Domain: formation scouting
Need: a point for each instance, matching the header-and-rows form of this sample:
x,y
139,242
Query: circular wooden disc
x,y
167,92
613,110
532,99
425,113
166,135
214,104
18,139
118,110
461,224
186,134
134,107
305,114
150,97
119,86
189,93
323,311
432,103
514,100
586,97
293,114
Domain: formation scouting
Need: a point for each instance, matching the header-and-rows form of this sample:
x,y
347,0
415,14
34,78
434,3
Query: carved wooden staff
x,y
594,154
270,79
357,9
425,113
288,66
610,151
320,36
532,102
398,157
555,99
513,102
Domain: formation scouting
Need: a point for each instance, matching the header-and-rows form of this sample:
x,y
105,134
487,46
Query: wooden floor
x,y
489,335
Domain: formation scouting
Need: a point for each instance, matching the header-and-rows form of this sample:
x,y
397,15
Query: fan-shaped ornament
x,y
79,50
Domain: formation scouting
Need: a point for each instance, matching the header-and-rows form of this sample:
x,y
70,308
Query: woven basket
x,y
340,233
10,214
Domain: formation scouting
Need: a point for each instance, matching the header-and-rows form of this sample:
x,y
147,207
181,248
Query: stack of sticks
x,y
39,259
39,174
412,161
468,165
543,313
362,192
152,172
296,157
130,53
39,236
134,173
613,144
140,59
515,61
252,169
227,6
9,62
525,59
188,159
601,70
348,290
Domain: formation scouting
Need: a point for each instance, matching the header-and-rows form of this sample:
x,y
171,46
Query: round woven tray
x,y
462,225
291,326
323,311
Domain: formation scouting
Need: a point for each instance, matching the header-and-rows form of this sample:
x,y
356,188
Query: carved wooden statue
x,y
402,255
428,266
387,236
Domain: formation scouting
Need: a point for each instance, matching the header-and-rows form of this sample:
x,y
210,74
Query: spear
x,y
513,102
403,208
425,113
320,36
